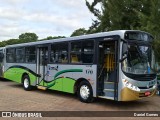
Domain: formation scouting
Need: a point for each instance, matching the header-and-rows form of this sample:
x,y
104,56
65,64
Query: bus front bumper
x,y
130,95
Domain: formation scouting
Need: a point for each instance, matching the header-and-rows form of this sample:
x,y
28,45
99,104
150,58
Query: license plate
x,y
147,93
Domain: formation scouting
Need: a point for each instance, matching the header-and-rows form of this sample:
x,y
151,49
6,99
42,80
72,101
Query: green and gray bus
x,y
115,65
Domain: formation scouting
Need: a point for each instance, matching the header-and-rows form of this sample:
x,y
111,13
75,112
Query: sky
x,y
43,17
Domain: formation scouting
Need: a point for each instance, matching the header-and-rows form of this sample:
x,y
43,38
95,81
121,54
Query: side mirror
x,y
1,57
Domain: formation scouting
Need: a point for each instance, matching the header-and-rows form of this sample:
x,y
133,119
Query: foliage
x,y
9,42
23,38
115,14
28,37
80,31
53,37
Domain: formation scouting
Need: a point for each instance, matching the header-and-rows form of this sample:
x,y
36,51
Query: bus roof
x,y
1,48
88,36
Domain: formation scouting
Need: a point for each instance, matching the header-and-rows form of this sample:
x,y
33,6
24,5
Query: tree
x,y
9,42
115,14
28,37
3,43
23,38
12,41
80,31
53,37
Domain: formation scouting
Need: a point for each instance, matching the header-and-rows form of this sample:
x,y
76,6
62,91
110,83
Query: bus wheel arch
x,y
24,74
76,85
84,90
26,82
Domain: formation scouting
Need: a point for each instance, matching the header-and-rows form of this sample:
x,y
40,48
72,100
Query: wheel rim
x,y
26,83
84,91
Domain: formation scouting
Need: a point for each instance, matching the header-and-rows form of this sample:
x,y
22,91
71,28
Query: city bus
x,y
115,65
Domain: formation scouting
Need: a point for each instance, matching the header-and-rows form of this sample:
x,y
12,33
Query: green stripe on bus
x,y
60,84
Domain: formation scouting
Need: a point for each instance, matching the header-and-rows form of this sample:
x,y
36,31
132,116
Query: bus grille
x,y
145,87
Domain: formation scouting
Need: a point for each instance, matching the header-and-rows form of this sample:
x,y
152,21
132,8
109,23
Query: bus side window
x,y
10,55
20,55
82,52
59,53
64,53
76,50
52,56
87,51
74,58
30,54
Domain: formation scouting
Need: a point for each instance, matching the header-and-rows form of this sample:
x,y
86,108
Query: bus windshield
x,y
138,60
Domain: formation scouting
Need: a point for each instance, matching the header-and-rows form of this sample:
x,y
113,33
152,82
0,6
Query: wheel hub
x,y
26,83
84,92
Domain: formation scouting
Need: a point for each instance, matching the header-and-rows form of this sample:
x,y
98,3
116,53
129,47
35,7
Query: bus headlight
x,y
155,86
131,86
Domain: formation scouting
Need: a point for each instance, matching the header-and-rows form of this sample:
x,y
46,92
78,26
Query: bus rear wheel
x,y
26,83
85,93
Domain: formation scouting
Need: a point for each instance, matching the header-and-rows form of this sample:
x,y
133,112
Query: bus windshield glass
x,y
138,60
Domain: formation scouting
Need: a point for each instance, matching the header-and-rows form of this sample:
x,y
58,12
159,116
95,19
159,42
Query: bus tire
x,y
85,92
26,83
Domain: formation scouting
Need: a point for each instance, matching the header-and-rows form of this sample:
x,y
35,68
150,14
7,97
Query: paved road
x,y
14,98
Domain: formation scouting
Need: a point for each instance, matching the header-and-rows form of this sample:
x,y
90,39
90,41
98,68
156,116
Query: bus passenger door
x,y
42,61
108,69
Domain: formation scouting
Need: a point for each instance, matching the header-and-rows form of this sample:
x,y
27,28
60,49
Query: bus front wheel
x,y
85,92
26,83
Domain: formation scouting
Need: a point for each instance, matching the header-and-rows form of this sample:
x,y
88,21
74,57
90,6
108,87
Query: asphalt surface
x,y
14,98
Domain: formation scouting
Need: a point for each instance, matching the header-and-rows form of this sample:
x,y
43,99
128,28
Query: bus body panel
x,y
130,89
63,77
15,71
